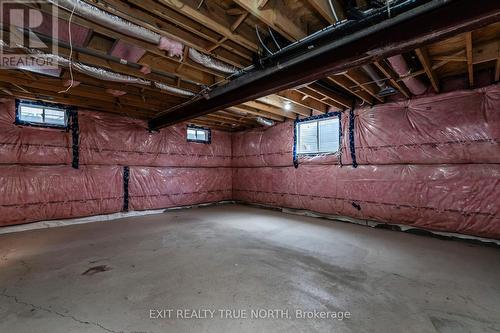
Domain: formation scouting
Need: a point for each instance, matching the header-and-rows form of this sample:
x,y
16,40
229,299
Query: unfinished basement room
x,y
250,166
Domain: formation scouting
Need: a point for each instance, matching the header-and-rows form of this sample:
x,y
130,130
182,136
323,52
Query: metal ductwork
x,y
384,89
265,121
104,18
174,90
172,46
99,73
210,62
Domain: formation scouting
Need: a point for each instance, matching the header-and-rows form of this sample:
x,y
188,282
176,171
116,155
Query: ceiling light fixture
x,y
287,106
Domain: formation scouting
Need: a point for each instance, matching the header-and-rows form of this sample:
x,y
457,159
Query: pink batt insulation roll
x,y
264,147
456,127
431,162
463,198
155,187
35,193
107,139
28,145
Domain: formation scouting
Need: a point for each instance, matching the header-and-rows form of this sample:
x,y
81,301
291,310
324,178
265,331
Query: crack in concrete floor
x,y
38,307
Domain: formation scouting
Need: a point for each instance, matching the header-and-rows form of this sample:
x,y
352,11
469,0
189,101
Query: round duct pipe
x,y
265,121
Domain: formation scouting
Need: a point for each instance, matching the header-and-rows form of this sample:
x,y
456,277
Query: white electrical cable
x,y
70,53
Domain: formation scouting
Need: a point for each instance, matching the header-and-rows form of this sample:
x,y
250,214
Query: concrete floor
x,y
106,277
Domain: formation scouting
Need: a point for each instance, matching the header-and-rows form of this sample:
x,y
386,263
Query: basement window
x,y
198,134
41,114
318,135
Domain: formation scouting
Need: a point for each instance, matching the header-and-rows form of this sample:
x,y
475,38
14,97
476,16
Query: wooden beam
x,y
362,81
193,71
342,100
84,103
301,99
172,20
52,86
249,110
423,56
320,98
497,70
234,54
215,20
261,4
323,8
280,102
236,11
211,124
345,83
234,118
470,66
238,21
275,18
270,109
393,77
448,58
484,52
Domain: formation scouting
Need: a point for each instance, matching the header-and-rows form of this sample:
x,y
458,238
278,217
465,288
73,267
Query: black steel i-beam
x,y
330,53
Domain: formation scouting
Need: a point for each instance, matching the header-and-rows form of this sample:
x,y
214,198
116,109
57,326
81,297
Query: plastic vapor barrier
x,y
35,193
455,198
154,187
30,145
120,166
431,162
456,127
114,140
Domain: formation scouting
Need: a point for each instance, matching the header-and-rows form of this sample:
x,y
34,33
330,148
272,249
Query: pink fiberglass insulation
x,y
116,93
114,140
271,146
432,162
79,33
145,69
71,83
414,84
127,51
34,193
456,127
172,47
38,183
462,198
156,187
29,145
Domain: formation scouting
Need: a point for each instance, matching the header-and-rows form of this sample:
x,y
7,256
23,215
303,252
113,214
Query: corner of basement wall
x,y
38,182
431,162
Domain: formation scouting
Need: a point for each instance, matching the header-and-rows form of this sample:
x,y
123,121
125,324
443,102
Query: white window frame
x,y
43,107
317,121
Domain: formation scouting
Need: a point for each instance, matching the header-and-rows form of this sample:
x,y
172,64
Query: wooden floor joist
x,y
225,31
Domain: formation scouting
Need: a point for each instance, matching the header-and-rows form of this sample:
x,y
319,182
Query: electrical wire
x,y
70,53
332,7
274,39
261,42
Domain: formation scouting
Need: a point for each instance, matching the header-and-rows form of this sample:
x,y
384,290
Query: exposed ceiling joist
x,y
470,66
424,24
423,56
275,18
